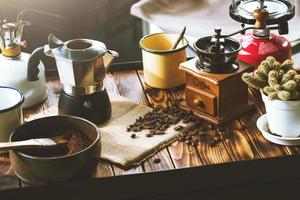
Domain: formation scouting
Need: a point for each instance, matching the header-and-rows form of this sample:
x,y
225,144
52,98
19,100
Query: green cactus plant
x,y
276,80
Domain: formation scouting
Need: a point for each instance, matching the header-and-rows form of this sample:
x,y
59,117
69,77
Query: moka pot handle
x,y
36,55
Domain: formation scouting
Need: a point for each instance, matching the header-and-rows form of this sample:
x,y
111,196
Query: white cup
x,y
11,116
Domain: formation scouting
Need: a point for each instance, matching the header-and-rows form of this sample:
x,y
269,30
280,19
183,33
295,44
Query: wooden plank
x,y
264,148
181,154
9,182
212,154
207,153
233,138
104,169
8,179
184,155
129,86
5,166
119,171
223,149
53,91
237,142
159,162
111,85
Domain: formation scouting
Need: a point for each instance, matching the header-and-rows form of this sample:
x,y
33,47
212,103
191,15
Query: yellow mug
x,y
161,64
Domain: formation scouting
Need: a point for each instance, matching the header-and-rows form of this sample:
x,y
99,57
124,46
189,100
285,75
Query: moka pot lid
x,y
80,50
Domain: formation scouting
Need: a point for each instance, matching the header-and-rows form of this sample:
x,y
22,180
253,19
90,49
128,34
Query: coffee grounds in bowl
x,y
77,141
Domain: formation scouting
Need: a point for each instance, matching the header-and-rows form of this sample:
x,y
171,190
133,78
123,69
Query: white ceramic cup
x,y
11,116
283,117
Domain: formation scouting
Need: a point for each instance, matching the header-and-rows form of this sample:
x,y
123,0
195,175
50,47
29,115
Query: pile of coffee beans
x,y
160,119
194,133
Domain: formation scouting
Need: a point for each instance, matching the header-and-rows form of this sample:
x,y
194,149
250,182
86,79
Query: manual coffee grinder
x,y
82,66
214,88
266,15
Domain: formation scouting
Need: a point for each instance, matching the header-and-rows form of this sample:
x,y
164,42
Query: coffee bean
x,y
160,119
210,126
178,128
220,128
133,136
243,127
214,141
189,137
202,128
149,135
162,132
185,121
156,109
217,139
202,133
156,160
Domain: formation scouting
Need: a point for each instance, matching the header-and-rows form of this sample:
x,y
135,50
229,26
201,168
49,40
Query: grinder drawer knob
x,y
198,102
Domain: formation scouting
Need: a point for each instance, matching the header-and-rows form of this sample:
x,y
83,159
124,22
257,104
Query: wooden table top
x,y
241,138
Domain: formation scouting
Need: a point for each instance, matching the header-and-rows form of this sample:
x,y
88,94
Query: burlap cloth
x,y
117,146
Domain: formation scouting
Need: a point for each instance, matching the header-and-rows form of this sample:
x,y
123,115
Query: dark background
x,y
108,21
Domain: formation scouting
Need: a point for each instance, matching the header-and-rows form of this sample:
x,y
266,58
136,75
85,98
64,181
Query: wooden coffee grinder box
x,y
214,88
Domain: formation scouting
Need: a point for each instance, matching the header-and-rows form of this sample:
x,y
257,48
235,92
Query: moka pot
x,y
82,66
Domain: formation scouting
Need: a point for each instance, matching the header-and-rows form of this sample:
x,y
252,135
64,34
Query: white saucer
x,y
262,125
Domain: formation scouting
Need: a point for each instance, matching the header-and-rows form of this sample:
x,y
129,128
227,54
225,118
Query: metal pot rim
x,y
212,53
18,104
59,157
162,51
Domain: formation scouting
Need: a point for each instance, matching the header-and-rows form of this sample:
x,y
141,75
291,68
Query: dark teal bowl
x,y
37,170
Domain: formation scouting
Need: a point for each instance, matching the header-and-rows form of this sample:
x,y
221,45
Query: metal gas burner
x,y
266,15
279,10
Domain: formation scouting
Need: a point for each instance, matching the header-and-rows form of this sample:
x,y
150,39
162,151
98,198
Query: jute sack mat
x,y
117,145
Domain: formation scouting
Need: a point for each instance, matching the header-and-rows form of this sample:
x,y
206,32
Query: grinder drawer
x,y
201,101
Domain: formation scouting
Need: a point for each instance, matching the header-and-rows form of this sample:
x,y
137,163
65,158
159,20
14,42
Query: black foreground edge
x,y
272,178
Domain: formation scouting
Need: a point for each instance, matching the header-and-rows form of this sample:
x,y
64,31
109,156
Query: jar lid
x,y
279,10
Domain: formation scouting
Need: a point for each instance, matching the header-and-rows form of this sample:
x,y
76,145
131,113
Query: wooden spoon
x,y
179,38
34,143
